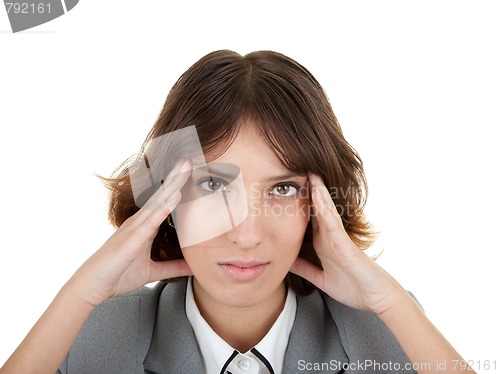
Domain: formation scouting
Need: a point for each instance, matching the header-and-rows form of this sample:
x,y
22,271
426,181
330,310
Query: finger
x,y
164,201
306,270
312,208
325,212
144,225
175,180
169,269
154,218
314,213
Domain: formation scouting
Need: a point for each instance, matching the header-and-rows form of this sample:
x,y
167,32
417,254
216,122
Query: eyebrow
x,y
283,177
218,169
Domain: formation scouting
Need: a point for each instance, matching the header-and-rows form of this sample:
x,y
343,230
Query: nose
x,y
249,233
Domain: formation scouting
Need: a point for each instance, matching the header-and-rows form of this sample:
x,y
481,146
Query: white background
x,y
415,85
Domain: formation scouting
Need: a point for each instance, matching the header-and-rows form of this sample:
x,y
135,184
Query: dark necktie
x,y
243,364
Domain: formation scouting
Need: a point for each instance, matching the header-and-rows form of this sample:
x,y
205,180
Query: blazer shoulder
x,y
123,324
364,335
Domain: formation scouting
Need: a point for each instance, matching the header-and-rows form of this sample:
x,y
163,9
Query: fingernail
x,y
313,178
175,195
186,166
319,198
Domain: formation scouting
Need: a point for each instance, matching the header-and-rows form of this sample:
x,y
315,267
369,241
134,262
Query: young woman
x,y
248,201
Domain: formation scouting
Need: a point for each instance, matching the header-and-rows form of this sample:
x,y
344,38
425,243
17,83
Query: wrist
x,y
74,294
401,306
395,301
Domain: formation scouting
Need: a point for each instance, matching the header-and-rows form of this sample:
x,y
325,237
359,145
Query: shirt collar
x,y
215,351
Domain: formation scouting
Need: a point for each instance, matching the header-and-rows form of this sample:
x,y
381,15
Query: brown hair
x,y
291,112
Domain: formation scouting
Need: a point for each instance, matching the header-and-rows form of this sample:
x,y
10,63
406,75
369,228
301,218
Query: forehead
x,y
250,151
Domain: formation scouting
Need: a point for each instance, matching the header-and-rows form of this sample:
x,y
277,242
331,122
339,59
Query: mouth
x,y
242,270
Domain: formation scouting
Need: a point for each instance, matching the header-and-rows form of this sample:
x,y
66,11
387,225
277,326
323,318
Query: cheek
x,y
198,220
191,260
287,222
197,257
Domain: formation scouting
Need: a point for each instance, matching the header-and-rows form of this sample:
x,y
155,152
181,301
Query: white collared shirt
x,y
216,351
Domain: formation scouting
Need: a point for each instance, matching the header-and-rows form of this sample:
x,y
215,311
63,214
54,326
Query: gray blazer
x,y
148,332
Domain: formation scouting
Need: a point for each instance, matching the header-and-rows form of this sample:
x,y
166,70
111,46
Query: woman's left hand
x,y
351,277
348,274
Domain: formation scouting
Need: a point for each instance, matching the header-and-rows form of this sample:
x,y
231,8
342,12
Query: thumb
x,y
169,269
308,271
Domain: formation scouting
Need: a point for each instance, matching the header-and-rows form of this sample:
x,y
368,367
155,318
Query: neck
x,y
241,327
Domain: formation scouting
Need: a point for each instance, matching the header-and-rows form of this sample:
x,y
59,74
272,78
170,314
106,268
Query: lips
x,y
244,264
243,270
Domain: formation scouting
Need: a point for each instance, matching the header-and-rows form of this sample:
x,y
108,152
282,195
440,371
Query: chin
x,y
248,294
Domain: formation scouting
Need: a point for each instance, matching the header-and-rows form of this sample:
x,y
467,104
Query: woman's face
x,y
246,265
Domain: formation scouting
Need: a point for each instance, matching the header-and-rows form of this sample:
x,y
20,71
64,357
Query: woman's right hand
x,y
123,263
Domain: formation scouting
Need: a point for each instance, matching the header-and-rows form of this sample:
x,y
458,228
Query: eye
x,y
289,190
212,185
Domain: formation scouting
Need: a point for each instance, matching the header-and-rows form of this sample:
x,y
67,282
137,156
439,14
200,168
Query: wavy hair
x,y
293,115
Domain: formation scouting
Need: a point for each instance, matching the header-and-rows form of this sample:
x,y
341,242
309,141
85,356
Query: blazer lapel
x,y
173,349
314,344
